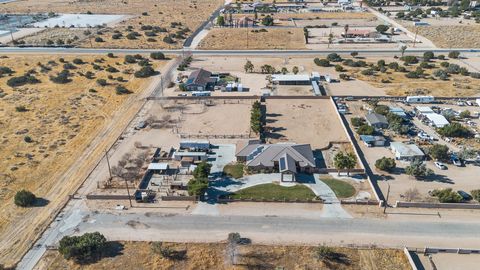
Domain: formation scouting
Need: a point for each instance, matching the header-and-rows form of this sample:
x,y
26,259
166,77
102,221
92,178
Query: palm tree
x,y
346,31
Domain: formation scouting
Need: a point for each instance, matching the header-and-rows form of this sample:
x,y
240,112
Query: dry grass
x,y
138,255
325,15
451,36
189,13
62,120
400,85
54,34
236,39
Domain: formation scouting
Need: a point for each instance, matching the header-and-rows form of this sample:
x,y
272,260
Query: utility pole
x,y
415,38
108,164
386,200
128,192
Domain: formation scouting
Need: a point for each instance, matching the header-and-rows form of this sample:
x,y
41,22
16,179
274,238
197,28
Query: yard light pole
x,y
386,200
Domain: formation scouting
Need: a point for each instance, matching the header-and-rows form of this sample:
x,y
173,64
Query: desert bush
x,y
24,198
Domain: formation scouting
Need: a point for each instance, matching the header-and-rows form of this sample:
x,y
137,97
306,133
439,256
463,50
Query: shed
x,y
406,151
158,167
398,111
376,120
200,145
424,110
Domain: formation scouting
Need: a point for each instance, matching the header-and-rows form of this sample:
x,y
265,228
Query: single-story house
x,y
245,22
370,140
286,158
200,80
199,145
376,120
406,151
291,79
437,120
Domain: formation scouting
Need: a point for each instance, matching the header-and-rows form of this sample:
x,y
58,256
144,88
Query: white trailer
x,y
420,99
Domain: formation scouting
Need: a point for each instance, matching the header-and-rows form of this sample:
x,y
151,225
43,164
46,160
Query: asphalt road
x,y
387,233
51,50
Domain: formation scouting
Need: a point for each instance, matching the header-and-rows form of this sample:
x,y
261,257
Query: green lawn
x,y
274,191
234,170
341,188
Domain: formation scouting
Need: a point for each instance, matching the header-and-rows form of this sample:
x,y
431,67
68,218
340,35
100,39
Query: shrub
x,y
69,66
117,36
157,55
334,57
385,164
465,114
78,61
20,109
121,90
168,40
475,75
339,68
62,77
382,28
145,72
110,55
344,77
197,186
418,169
321,62
99,39
365,130
5,71
454,54
27,139
367,72
441,74
83,249
102,82
447,195
409,59
131,36
476,194
24,198
111,69
382,109
22,80
130,59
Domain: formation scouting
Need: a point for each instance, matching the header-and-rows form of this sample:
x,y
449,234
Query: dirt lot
x,y
451,36
60,120
54,34
236,39
450,261
139,255
189,13
315,117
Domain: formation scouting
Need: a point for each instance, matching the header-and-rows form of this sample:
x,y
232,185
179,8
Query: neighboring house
x,y
245,22
376,120
370,140
406,151
200,80
287,158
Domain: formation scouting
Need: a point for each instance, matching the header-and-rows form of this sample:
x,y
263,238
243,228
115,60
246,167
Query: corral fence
x,y
108,197
179,198
434,250
474,206
227,199
213,136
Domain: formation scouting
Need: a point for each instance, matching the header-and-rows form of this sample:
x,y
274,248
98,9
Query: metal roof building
x,y
406,151
437,120
291,79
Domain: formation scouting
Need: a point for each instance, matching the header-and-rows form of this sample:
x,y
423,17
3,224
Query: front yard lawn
x,y
275,191
341,188
234,170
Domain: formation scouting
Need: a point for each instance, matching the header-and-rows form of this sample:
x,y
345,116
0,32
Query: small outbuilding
x,y
437,120
298,79
370,140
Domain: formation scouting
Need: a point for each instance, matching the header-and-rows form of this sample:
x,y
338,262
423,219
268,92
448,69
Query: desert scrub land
x,y
451,36
141,255
51,108
258,39
417,77
149,25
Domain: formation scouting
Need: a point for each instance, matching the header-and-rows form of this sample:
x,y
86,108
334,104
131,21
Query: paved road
x,y
283,229
380,52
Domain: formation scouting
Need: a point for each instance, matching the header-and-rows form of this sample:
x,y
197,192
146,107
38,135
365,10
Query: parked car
x,y
140,125
182,95
456,161
465,195
440,165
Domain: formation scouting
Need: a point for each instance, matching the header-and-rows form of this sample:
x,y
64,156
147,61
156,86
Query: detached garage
x,y
302,79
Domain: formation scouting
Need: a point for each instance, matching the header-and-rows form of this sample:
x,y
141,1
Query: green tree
x,y
197,186
221,21
321,62
454,130
345,161
428,55
465,114
284,70
354,54
385,164
439,152
382,109
256,123
24,198
403,49
295,70
267,20
157,55
447,195
248,67
202,170
357,121
382,28
454,54
418,169
83,249
325,253
365,130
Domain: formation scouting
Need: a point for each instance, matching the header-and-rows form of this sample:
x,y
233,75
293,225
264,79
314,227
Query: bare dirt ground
x,y
189,13
399,85
451,36
62,120
236,39
312,121
450,261
139,255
